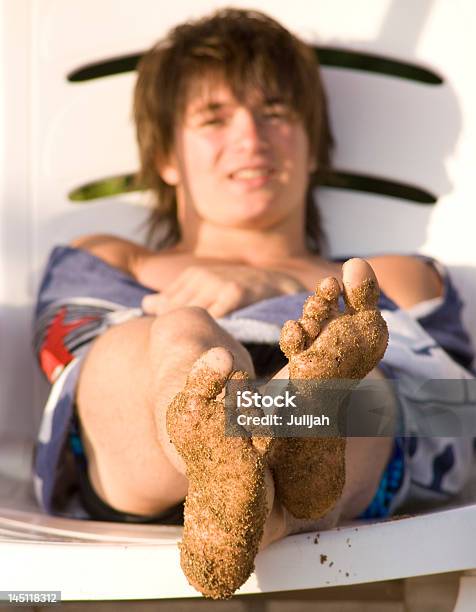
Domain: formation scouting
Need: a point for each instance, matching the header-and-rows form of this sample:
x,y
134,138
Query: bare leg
x,y
131,375
230,488
326,345
312,477
365,461
330,477
127,381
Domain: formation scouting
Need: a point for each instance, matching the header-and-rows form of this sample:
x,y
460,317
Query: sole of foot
x,y
230,490
326,344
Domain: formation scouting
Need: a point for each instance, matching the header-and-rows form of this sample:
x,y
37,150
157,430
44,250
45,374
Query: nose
x,y
248,132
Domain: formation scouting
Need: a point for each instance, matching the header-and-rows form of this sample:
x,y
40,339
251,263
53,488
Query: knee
x,y
196,330
185,323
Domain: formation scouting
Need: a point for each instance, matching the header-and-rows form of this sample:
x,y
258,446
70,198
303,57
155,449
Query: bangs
x,y
252,73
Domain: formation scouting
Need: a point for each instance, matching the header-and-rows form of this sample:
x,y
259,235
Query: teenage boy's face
x,y
239,165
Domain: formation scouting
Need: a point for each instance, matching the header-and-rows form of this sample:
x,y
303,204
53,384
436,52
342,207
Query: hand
x,y
221,289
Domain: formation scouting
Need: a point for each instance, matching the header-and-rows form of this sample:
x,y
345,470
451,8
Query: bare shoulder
x,y
117,252
407,280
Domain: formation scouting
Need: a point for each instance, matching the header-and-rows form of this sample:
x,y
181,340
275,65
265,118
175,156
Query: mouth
x,y
256,176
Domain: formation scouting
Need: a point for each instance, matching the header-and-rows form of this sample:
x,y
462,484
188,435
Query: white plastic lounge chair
x,y
59,135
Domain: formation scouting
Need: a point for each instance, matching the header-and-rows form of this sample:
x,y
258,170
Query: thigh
x,y
126,383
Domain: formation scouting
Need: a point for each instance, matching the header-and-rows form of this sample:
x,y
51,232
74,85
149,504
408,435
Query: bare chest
x,y
158,271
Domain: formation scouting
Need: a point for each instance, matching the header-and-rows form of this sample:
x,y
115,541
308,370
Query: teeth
x,y
248,173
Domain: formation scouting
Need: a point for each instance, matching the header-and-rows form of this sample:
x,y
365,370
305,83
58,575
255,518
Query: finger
x,y
226,301
160,304
157,304
184,296
161,309
185,279
154,304
197,296
202,300
195,282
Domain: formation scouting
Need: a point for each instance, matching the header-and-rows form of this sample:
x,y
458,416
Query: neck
x,y
284,240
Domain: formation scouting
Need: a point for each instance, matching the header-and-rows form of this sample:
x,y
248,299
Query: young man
x,y
232,129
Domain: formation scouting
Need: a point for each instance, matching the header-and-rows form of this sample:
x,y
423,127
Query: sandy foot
x,y
309,473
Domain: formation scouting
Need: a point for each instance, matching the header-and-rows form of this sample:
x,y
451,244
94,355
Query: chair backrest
x,y
59,135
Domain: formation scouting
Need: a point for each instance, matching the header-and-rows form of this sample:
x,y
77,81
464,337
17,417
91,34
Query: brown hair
x,y
249,50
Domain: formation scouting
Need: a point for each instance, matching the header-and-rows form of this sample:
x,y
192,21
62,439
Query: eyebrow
x,y
210,107
275,100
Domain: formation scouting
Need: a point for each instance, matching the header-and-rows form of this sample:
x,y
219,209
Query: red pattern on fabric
x,y
53,351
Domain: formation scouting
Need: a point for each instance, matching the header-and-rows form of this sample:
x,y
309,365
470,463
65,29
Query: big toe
x,y
361,289
210,373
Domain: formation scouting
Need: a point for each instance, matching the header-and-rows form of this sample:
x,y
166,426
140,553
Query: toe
x,y
320,307
292,338
296,336
328,289
361,290
324,303
210,373
240,375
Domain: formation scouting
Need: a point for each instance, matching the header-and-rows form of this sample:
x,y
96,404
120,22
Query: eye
x,y
214,120
277,112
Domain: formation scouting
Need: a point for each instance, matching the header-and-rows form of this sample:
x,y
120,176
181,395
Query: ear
x,y
168,172
312,165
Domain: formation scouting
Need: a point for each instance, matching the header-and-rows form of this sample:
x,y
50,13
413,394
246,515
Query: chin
x,y
253,216
255,221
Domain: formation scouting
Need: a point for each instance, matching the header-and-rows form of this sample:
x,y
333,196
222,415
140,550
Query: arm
x,y
221,288
407,280
115,251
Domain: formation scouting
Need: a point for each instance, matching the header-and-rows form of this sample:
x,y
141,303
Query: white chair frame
x,y
58,135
